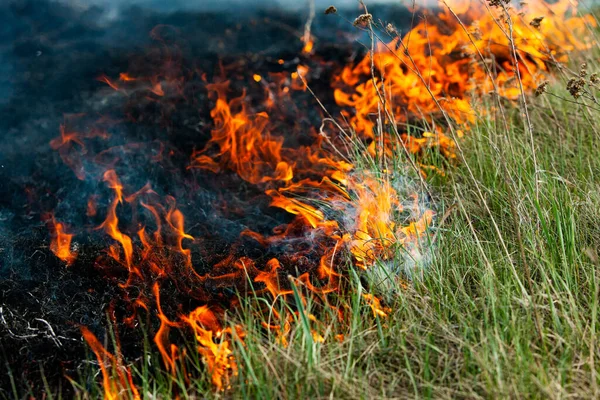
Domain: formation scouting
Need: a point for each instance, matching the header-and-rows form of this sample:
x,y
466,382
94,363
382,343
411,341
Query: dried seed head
x,y
595,78
363,20
576,86
498,3
536,22
542,88
391,30
466,51
476,31
583,70
331,10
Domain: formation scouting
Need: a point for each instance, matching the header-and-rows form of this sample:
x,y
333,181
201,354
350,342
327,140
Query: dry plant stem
x,y
322,133
412,21
528,124
589,118
506,127
572,101
389,115
593,329
511,188
590,28
588,110
446,215
329,118
528,127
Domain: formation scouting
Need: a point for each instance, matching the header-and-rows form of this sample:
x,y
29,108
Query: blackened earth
x,y
51,55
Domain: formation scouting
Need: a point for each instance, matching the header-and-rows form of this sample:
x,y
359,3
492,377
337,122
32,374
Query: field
x,y
501,300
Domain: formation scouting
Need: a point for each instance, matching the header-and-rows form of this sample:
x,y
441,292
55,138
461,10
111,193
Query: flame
x,y
447,64
217,355
270,278
243,142
61,243
116,377
377,205
378,309
71,146
111,223
113,85
126,77
309,44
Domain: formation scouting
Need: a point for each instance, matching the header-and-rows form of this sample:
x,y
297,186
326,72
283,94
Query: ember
x,y
201,182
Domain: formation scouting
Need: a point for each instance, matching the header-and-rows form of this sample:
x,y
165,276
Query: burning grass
x,y
356,293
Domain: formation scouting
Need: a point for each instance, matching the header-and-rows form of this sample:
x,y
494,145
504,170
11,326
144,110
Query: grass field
x,y
506,305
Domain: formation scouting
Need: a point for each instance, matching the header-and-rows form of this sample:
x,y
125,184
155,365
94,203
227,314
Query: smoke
x,y
113,8
224,5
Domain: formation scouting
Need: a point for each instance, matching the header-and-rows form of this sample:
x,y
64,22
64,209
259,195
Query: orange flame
x,y
447,64
116,377
111,223
217,355
378,309
243,143
61,243
309,44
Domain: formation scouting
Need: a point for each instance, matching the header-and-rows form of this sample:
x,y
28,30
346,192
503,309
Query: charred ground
x,y
52,56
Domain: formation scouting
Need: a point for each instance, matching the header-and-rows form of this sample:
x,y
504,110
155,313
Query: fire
x,y
71,147
116,378
378,309
61,243
308,46
378,206
213,345
111,224
153,263
242,142
335,208
445,64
